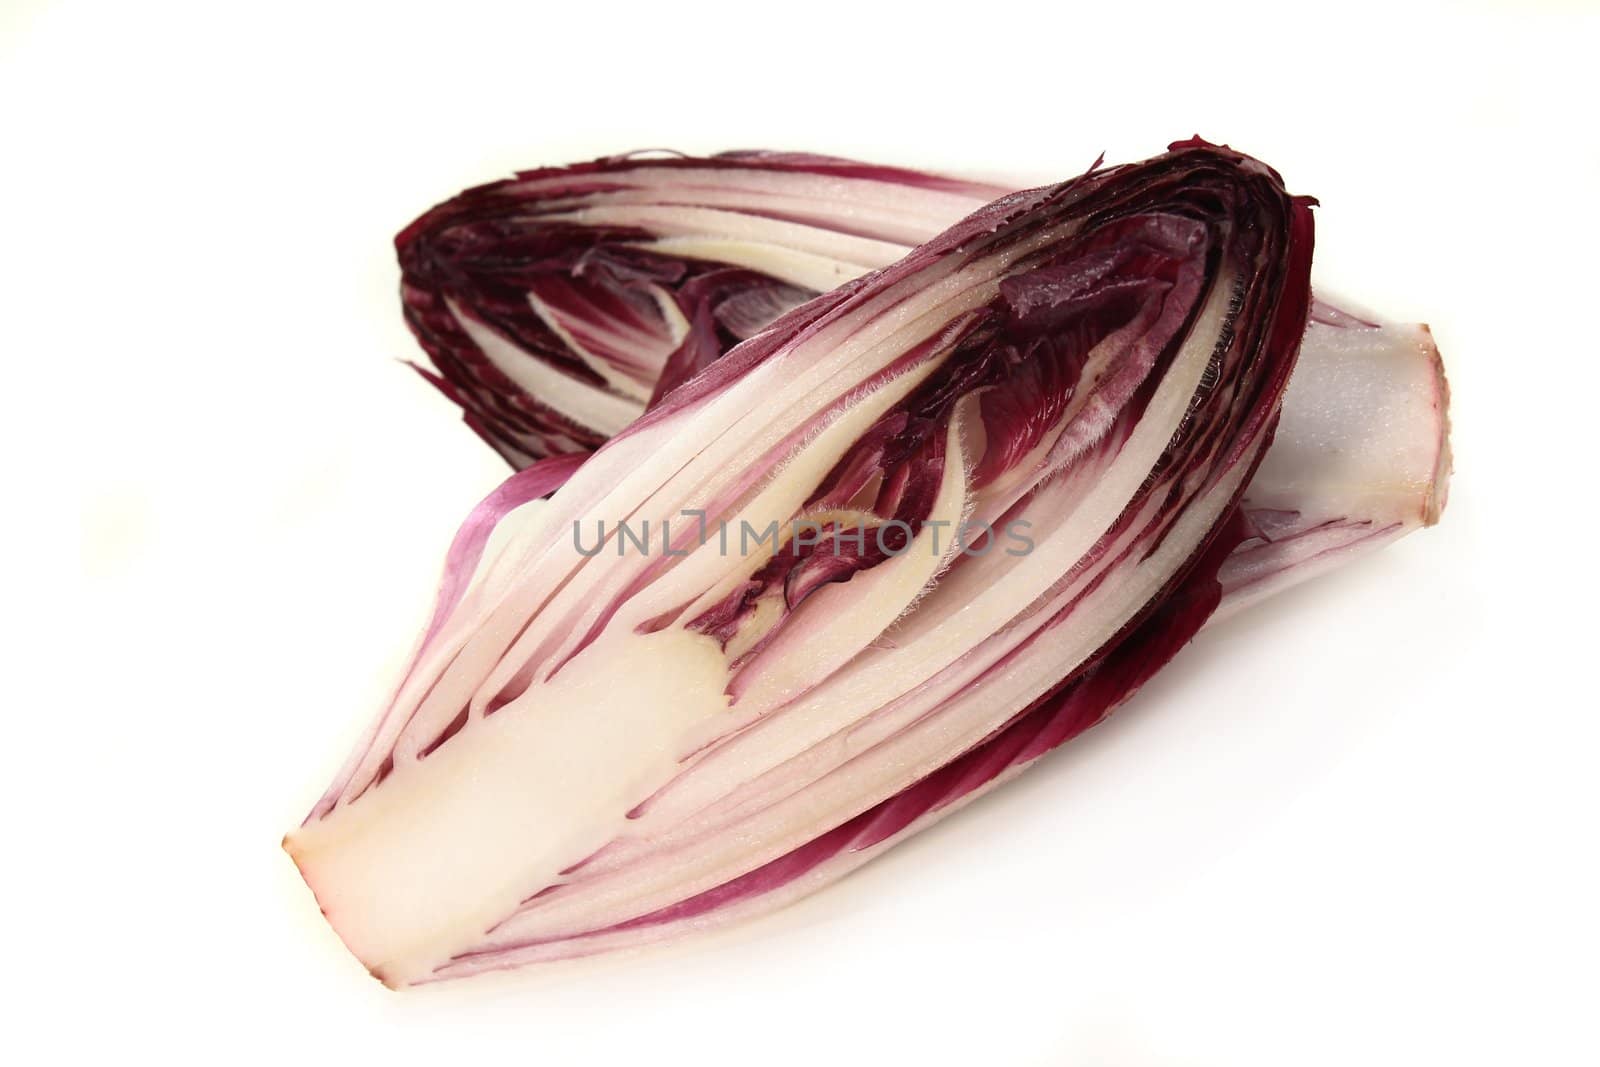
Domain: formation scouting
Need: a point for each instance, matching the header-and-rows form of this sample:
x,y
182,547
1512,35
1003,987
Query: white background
x,y
1356,826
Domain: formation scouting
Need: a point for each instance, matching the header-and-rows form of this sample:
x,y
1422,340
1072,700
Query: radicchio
x,y
597,748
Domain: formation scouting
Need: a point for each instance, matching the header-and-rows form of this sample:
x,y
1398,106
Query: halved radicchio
x,y
559,305
992,487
